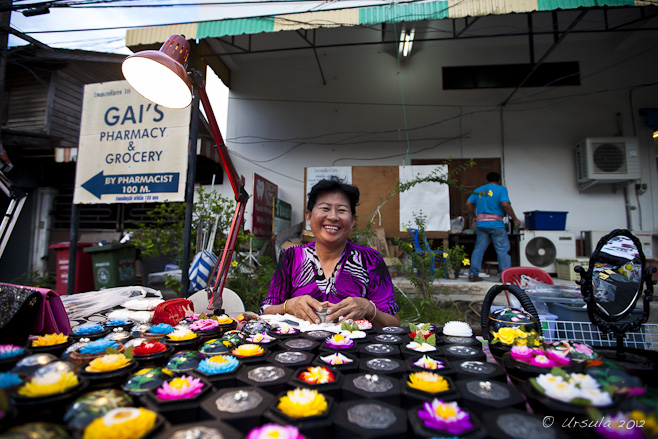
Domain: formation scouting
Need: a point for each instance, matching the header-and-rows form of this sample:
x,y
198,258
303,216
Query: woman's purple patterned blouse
x,y
361,272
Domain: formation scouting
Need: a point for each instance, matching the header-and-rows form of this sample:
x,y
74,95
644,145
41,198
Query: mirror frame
x,y
603,321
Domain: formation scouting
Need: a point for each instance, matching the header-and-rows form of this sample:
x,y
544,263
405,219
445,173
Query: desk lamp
x,y
161,77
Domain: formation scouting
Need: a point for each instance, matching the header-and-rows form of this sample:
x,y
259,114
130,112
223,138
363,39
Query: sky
x,y
101,26
80,26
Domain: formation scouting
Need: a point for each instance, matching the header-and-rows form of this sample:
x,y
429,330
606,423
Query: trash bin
x,y
113,264
84,280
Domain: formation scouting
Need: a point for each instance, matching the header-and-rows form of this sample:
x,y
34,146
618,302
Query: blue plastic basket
x,y
543,220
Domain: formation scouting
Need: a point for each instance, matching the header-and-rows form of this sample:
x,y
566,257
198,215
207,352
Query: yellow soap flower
x,y
107,363
300,403
506,335
182,334
224,320
248,350
428,382
121,423
648,421
50,340
49,384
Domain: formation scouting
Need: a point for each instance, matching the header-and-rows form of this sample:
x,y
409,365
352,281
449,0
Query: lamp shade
x,y
159,75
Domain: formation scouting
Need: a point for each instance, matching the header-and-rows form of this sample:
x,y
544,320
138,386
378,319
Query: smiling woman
x,y
349,280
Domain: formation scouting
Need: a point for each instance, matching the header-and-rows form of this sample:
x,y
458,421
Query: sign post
x,y
131,150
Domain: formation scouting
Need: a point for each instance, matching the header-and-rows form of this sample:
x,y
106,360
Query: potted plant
x,y
454,258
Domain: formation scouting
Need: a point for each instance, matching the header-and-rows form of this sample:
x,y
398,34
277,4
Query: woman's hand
x,y
305,307
355,308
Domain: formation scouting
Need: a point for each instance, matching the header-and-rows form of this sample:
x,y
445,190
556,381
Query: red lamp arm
x,y
216,287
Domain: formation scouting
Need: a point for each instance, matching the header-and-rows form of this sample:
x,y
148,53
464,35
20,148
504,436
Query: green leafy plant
x,y
417,267
455,259
251,283
162,235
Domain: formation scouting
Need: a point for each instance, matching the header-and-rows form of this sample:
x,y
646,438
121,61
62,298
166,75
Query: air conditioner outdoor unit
x,y
608,160
542,248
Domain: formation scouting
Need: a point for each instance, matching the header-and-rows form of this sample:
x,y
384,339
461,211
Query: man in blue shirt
x,y
487,206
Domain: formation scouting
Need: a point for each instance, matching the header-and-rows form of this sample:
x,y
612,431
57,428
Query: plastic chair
x,y
232,302
513,275
423,248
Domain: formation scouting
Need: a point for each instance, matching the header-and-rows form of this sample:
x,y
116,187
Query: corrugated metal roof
x,y
403,12
369,15
311,20
159,34
237,26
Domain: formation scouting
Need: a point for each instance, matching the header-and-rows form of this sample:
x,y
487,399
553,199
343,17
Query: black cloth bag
x,y
18,311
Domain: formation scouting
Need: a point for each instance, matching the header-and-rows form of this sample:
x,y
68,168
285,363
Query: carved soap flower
x,y
445,416
224,320
50,340
248,350
420,347
338,341
160,329
218,364
193,318
260,337
10,351
88,329
107,363
180,388
573,388
118,322
336,359
275,431
457,328
285,330
301,403
48,384
522,353
181,334
8,379
428,382
539,357
99,346
422,343
619,426
363,324
204,325
423,328
121,423
317,375
149,348
429,363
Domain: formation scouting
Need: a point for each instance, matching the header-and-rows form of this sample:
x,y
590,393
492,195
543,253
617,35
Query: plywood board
x,y
375,183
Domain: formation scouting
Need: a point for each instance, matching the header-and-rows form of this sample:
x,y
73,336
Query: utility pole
x,y
5,19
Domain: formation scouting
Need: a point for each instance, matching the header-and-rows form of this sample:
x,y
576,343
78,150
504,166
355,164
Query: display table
x,y
391,388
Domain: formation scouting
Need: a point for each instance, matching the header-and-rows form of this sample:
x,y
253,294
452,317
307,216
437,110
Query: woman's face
x,y
331,219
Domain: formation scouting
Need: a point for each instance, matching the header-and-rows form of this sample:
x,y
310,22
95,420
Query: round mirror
x,y
614,282
616,276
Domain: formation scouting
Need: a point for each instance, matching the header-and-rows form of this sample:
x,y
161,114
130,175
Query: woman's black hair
x,y
333,184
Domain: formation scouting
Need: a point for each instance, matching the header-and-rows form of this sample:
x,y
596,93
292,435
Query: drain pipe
x,y
627,203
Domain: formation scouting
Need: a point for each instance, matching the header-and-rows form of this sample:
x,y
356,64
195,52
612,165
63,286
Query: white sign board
x,y
432,198
314,175
131,150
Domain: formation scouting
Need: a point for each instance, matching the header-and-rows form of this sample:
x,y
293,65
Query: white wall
x,y
282,118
